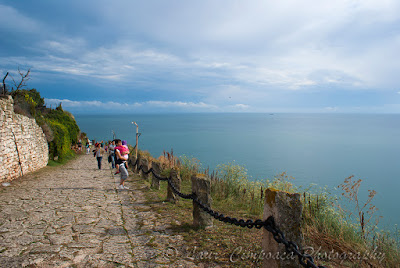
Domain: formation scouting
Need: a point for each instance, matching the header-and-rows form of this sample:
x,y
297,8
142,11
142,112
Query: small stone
x,y
50,231
79,245
36,232
60,239
79,258
43,248
82,228
67,254
87,220
25,240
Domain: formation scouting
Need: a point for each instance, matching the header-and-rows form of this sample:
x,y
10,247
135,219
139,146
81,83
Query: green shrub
x,y
65,133
27,101
67,120
60,147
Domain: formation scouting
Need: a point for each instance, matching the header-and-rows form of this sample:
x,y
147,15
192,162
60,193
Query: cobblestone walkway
x,y
73,216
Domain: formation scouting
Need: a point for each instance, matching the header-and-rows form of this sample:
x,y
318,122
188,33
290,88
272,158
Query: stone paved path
x,y
73,216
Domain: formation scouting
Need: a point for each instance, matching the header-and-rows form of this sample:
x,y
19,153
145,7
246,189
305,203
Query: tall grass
x,y
188,166
325,223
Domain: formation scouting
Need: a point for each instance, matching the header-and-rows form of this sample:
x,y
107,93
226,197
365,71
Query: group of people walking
x,y
118,154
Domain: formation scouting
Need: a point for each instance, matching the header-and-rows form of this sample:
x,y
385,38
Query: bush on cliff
x,y
65,132
59,126
59,147
26,102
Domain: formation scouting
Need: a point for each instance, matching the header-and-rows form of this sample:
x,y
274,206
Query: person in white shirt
x,y
99,154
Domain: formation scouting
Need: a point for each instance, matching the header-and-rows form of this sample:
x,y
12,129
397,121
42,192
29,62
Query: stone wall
x,y
23,145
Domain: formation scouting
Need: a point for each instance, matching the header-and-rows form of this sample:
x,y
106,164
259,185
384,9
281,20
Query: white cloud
x,y
331,109
66,103
145,106
269,43
118,63
13,21
72,47
241,106
214,53
273,44
179,104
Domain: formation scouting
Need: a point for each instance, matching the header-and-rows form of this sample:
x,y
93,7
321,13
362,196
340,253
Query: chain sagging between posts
x,y
269,224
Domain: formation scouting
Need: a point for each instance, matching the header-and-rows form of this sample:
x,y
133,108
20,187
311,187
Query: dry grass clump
x,y
168,160
18,109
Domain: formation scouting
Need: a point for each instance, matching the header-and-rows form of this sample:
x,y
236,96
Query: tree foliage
x,y
27,101
65,132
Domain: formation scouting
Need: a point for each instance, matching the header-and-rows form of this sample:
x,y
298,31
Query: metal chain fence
x,y
269,224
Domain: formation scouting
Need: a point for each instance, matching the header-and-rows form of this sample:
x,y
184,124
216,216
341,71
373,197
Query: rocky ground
x,y
73,216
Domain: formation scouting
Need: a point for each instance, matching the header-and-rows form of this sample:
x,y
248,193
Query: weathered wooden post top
x,y
176,181
144,163
286,209
201,186
155,182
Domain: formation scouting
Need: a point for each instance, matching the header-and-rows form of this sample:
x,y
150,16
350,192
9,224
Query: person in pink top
x,y
124,151
121,161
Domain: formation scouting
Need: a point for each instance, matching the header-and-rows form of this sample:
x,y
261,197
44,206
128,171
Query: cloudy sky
x,y
206,56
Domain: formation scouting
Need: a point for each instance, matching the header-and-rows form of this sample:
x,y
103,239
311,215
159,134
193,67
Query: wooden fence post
x,y
131,161
137,139
286,209
201,186
155,183
145,167
176,181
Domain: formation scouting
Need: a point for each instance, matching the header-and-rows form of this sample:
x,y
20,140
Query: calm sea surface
x,y
313,148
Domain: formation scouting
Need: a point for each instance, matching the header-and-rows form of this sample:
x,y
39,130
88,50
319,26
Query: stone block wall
x,y
23,145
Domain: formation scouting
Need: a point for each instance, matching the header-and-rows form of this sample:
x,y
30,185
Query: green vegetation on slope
x,y
59,126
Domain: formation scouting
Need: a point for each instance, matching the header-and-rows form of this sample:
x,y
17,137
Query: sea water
x,y
313,148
